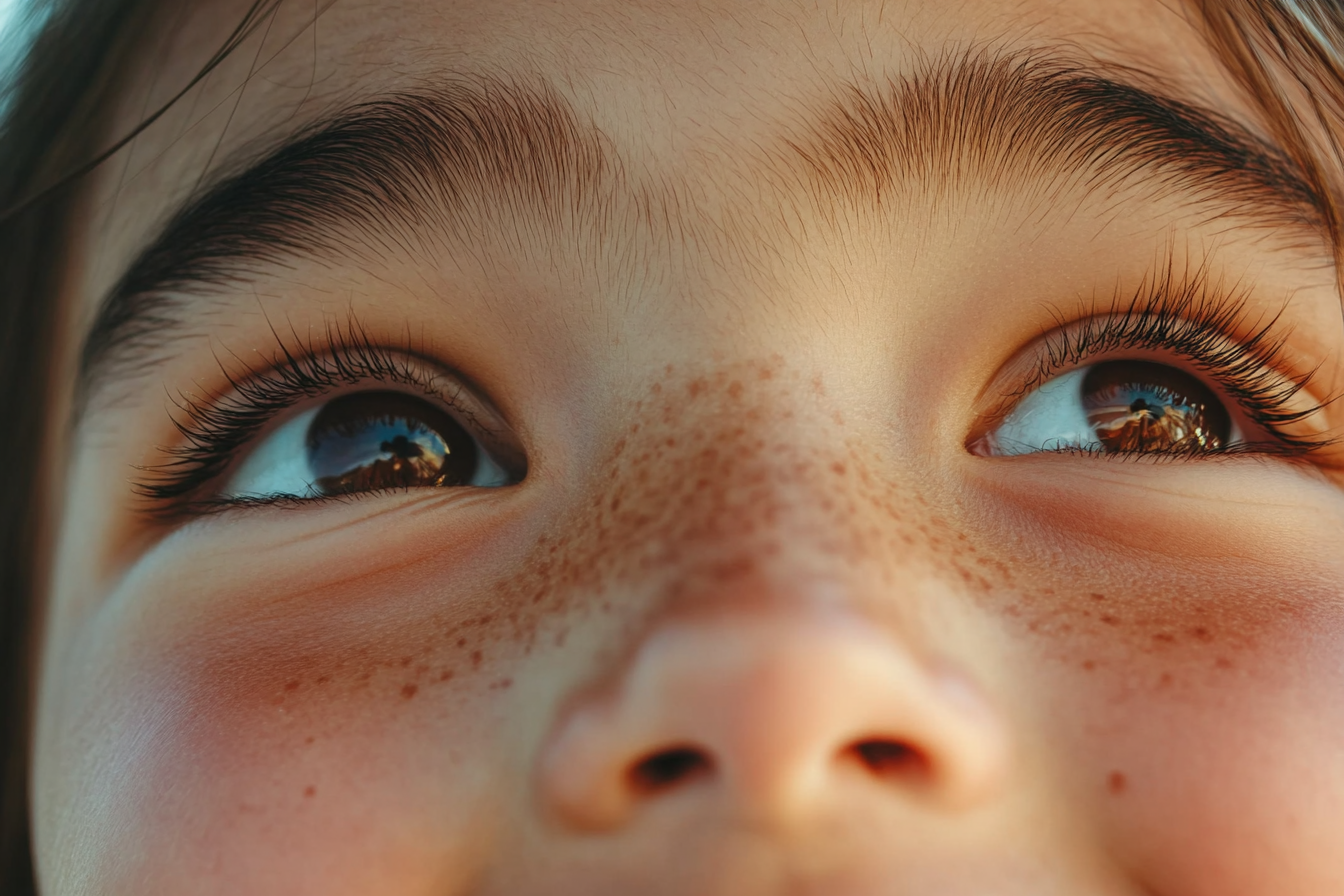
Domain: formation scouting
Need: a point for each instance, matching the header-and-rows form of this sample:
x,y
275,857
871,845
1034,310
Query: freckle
x,y
461,642
475,659
1165,681
1108,619
409,690
1164,638
1202,634
323,679
446,675
1117,783
735,390
838,468
310,791
1089,665
1223,663
309,739
1096,596
405,662
292,686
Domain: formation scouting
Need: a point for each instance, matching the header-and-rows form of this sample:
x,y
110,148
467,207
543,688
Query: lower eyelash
x,y
1196,321
215,429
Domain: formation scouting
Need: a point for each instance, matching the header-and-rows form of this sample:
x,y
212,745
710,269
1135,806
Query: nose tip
x,y
773,719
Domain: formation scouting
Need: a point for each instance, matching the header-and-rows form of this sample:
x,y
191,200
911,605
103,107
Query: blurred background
x,y
14,24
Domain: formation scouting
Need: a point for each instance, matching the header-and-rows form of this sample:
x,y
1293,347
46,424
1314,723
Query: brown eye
x,y
387,440
1115,407
368,442
1138,407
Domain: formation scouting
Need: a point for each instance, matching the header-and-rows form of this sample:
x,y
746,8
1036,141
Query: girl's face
x,y
697,448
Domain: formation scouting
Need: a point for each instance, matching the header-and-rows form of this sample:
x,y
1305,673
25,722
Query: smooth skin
x,y
751,542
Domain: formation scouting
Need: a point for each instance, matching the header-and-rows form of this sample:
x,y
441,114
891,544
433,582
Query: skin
x,y
750,523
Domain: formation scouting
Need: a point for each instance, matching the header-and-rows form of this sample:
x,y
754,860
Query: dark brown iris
x,y
1137,406
387,440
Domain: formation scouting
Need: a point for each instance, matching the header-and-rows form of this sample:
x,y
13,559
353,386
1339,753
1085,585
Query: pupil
x,y
1138,407
387,440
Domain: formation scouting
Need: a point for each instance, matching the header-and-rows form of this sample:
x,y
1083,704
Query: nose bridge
x,y
723,474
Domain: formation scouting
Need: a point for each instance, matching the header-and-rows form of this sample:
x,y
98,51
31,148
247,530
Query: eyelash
x,y
1189,319
217,428
1194,320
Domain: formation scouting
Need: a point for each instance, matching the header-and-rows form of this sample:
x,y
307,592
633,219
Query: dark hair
x,y
51,122
1287,54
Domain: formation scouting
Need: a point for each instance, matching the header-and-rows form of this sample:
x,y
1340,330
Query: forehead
x,y
680,88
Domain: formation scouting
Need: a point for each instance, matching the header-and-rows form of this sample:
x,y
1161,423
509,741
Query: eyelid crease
x,y
1187,316
216,429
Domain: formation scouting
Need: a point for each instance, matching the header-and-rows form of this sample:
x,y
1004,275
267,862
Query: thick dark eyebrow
x,y
443,158
455,158
1028,120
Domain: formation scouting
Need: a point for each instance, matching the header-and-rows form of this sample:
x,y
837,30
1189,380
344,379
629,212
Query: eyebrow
x,y
454,157
1014,120
390,167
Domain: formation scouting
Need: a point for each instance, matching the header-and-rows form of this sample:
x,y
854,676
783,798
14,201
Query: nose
x,y
775,718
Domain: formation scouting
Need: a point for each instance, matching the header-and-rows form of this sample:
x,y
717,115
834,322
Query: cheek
x,y
335,746
1205,736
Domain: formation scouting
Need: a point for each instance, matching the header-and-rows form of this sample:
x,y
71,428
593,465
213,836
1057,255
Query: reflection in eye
x,y
368,441
1116,407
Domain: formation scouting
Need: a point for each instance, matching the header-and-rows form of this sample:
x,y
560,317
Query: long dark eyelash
x,y
1197,320
215,428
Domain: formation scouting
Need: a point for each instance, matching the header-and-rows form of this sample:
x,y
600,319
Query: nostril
x,y
888,758
668,768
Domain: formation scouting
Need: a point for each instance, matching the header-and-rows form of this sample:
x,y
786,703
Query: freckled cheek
x,y
1208,726
359,731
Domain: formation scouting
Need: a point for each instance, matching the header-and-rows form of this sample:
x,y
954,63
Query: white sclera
x,y
1050,418
278,466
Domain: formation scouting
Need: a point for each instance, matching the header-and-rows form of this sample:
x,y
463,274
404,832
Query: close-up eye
x,y
301,432
364,442
1117,407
